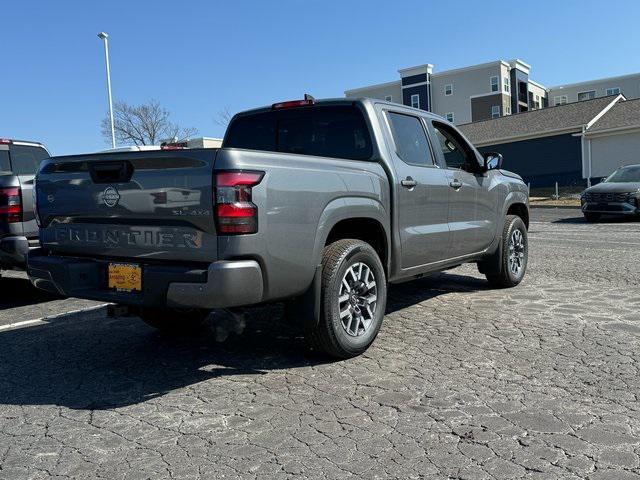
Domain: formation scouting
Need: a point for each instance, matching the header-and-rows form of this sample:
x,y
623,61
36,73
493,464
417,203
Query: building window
x,y
559,100
536,103
586,95
507,84
388,98
448,89
415,100
613,91
449,116
507,110
495,111
495,84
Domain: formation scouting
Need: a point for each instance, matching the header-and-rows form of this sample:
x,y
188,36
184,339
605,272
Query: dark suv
x,y
19,161
618,194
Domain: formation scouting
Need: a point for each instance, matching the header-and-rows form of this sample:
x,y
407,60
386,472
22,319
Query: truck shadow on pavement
x,y
580,219
88,361
18,292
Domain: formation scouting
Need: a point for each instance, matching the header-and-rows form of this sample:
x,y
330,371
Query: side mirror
x,y
492,161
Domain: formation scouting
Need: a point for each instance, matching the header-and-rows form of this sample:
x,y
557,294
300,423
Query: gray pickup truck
x,y
19,161
317,203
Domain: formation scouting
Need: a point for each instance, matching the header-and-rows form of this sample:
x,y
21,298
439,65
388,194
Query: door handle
x,y
455,183
408,182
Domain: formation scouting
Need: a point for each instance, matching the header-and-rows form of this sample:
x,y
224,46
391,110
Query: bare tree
x,y
223,117
144,124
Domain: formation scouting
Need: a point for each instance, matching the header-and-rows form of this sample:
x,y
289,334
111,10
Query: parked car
x,y
319,203
19,161
618,194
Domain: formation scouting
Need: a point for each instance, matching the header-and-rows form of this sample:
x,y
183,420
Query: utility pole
x,y
105,38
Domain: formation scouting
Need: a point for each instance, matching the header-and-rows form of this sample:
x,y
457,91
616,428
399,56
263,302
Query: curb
x,y
572,207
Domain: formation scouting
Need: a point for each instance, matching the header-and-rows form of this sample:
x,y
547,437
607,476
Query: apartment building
x,y
627,85
463,95
489,90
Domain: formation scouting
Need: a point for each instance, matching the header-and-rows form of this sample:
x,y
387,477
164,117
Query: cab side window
x,y
410,138
26,159
457,153
5,166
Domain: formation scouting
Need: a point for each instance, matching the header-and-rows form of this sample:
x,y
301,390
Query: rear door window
x,y
26,159
5,166
326,131
410,139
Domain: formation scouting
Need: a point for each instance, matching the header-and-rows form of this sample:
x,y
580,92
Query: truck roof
x,y
29,143
10,141
339,101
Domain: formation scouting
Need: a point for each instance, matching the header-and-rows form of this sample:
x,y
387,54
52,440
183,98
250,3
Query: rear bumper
x,y
218,285
13,251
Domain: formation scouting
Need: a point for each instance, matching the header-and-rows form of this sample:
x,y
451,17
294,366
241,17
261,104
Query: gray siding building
x,y
627,85
572,144
489,90
463,95
613,141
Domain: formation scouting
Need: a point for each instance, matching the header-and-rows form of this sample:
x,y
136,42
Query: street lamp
x,y
105,37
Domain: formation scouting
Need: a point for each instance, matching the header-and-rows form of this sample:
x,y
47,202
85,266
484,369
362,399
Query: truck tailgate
x,y
145,205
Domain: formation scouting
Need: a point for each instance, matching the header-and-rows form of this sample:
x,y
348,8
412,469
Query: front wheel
x,y
591,217
353,300
514,254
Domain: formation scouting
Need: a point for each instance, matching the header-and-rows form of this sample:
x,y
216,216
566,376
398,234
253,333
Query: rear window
x,y
331,131
26,159
4,161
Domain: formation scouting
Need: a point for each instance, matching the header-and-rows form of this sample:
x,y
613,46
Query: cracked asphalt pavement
x,y
538,381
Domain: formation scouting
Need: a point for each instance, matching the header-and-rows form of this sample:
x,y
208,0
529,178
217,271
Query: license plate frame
x,y
124,277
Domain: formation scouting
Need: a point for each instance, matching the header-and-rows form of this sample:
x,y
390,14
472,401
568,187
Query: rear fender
x,y
307,306
345,208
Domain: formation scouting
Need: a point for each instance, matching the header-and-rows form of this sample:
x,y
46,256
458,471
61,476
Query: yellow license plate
x,y
125,277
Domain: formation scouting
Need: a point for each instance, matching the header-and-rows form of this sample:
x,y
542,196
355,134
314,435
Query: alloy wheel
x,y
357,299
517,250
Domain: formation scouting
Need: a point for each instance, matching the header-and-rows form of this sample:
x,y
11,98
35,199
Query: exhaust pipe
x,y
115,310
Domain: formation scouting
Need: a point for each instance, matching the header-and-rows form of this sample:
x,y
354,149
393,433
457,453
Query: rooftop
x,y
597,80
621,115
568,117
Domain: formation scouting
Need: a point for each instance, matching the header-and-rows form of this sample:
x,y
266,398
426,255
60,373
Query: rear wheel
x,y
514,254
591,217
353,300
173,320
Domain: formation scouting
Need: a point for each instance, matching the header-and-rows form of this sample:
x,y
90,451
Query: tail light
x,y
235,213
10,205
34,196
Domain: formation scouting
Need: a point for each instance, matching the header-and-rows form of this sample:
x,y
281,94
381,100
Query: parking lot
x,y
539,381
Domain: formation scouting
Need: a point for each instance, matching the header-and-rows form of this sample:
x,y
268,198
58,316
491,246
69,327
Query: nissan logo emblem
x,y
110,197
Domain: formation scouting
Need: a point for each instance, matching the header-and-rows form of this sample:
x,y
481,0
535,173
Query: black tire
x,y
505,277
329,335
591,217
173,320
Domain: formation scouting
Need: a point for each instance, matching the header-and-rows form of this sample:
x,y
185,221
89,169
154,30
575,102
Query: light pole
x,y
105,37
